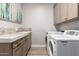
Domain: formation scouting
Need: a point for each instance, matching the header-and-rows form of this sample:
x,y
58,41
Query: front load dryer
x,y
51,33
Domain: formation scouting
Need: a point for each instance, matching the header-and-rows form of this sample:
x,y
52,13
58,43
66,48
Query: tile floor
x,y
37,52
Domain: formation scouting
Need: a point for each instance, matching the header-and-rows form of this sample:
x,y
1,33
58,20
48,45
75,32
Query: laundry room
x,y
39,29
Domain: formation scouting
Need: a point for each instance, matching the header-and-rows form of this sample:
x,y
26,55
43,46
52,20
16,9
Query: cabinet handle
x,y
64,41
64,44
18,43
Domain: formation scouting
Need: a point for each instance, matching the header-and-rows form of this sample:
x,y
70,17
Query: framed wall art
x,y
11,12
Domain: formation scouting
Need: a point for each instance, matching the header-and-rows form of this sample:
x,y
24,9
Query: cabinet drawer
x,y
18,51
17,43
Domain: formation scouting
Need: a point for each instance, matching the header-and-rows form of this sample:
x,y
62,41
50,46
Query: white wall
x,y
5,24
39,17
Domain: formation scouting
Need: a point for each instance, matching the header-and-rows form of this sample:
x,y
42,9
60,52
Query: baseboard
x,y
38,45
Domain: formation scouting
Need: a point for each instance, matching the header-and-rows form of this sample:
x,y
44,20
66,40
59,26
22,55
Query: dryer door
x,y
51,47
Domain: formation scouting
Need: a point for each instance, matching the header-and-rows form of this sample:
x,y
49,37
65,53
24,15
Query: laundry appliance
x,y
65,44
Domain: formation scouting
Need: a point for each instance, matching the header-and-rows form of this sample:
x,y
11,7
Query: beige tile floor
x,y
37,52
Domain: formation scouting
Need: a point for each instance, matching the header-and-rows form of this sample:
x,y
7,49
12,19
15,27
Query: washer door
x,y
51,47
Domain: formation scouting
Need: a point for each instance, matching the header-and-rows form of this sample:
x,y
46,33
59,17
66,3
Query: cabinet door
x,y
18,51
57,14
5,49
25,47
64,10
29,41
72,10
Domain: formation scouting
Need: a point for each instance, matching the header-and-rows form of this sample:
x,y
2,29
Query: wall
x,y
5,24
39,17
70,25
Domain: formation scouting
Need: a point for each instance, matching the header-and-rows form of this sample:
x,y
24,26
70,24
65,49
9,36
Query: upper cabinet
x,y
72,10
57,13
66,12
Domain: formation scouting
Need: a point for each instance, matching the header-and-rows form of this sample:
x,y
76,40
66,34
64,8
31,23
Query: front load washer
x,y
51,33
63,45
58,45
51,47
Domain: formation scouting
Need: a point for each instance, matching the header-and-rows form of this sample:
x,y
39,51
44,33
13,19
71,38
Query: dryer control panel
x,y
71,32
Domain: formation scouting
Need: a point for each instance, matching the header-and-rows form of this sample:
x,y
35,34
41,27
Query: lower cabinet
x,y
25,47
5,49
17,48
29,40
18,51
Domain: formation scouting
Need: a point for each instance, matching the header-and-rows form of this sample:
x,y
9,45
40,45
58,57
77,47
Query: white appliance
x,y
47,37
66,44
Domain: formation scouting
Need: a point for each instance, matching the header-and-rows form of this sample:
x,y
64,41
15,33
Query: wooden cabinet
x,y
25,47
57,13
29,41
18,51
60,13
5,49
65,12
22,46
19,47
72,10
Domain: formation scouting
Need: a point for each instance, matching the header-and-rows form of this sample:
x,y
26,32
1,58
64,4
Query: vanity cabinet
x,y
66,12
25,47
19,47
29,40
18,51
5,49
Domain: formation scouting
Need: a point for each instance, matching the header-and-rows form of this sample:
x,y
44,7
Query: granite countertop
x,y
9,38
